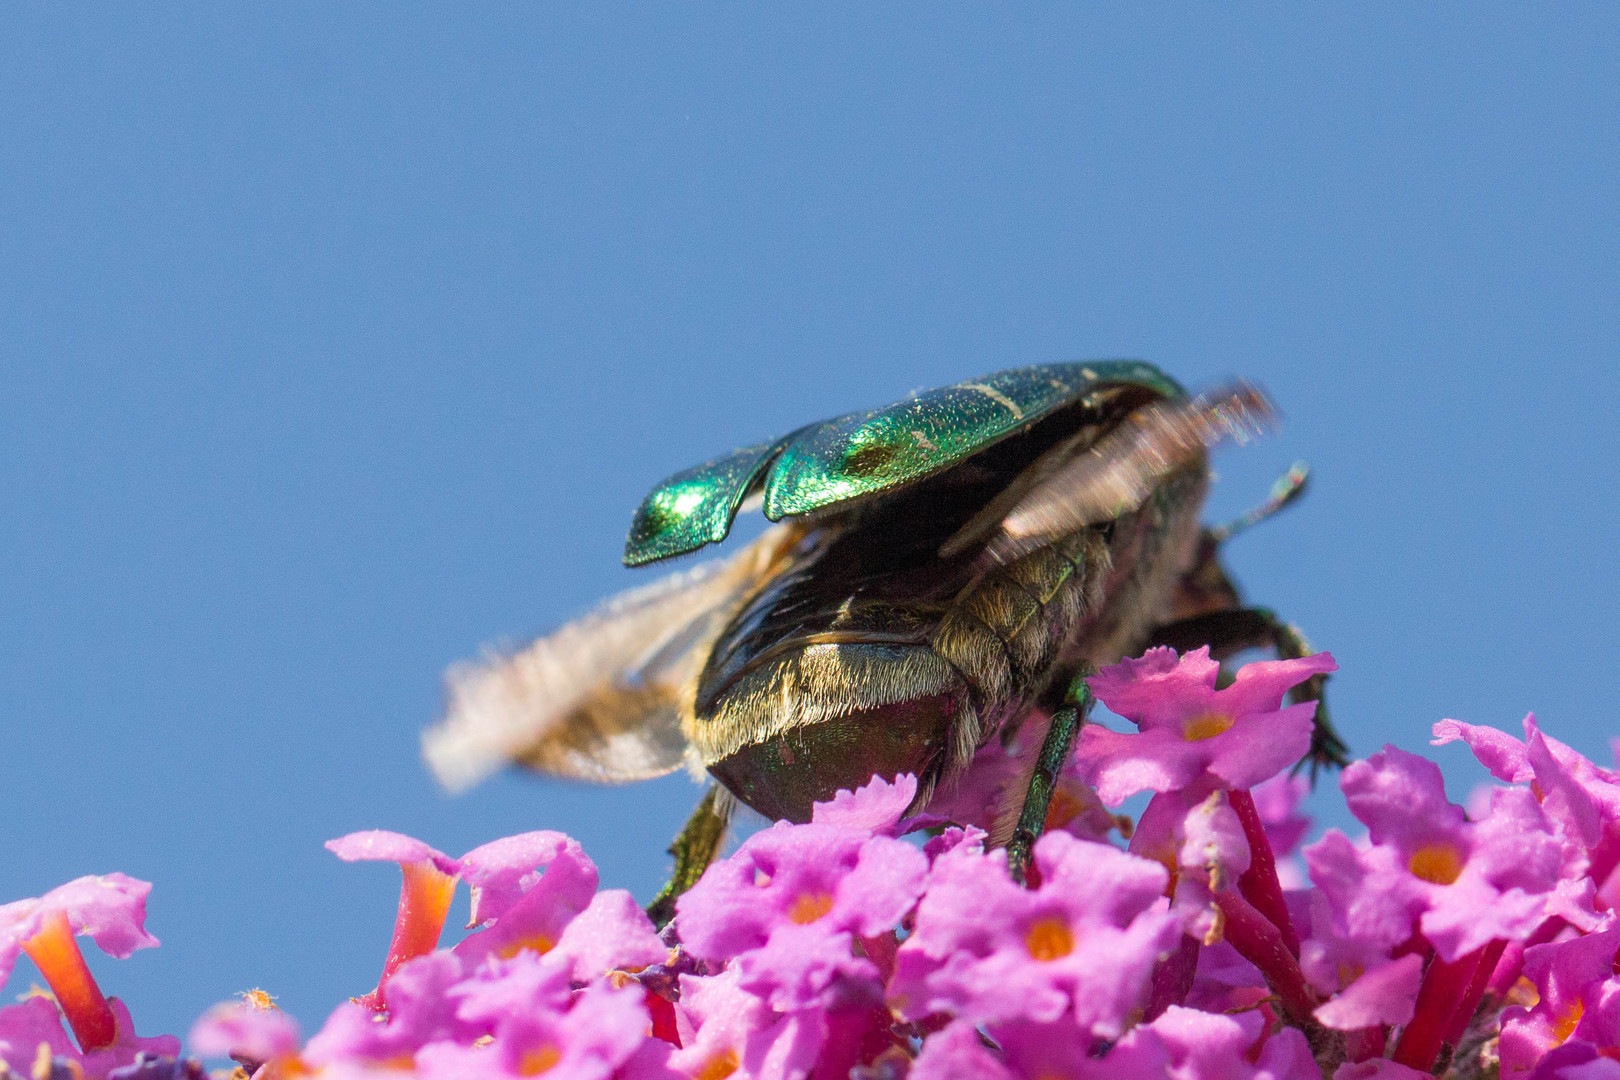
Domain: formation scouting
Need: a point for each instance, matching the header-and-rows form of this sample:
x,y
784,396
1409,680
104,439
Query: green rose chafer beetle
x,y
943,571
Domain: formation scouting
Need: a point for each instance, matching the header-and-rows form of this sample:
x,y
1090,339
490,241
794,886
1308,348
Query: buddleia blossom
x,y
110,910
1577,996
1183,945
1197,836
1461,883
1081,946
787,908
1187,729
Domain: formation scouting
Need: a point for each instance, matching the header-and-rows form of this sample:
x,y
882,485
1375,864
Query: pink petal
x,y
1385,994
501,871
611,934
380,845
237,1028
1260,745
1158,690
1498,751
1119,766
875,808
1260,686
1378,1069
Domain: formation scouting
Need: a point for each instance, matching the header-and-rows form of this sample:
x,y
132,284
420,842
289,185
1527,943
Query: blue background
x,y
339,342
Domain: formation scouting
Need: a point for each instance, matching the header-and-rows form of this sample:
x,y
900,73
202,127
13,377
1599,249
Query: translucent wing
x,y
1117,473
600,698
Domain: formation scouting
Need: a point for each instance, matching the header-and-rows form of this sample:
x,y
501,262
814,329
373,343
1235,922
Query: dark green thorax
x,y
863,454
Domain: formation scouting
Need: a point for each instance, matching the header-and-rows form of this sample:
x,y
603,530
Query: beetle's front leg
x,y
1229,632
694,849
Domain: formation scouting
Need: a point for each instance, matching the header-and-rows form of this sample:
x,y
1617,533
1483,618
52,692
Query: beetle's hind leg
x,y
694,849
1229,632
1055,748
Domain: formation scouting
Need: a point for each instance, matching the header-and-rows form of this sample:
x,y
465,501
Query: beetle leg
x,y
1230,632
1066,723
694,849
1288,487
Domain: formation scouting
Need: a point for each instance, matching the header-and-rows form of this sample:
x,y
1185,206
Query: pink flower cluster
x,y
1186,945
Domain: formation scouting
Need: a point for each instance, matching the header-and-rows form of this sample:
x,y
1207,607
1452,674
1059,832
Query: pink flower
x,y
729,1031
1188,729
1184,1044
1464,884
875,808
1081,945
1278,801
502,871
787,907
1569,977
1577,1061
245,1030
1378,1069
526,890
1038,1052
1384,993
1196,836
25,1026
1205,1046
36,1022
1578,794
957,1052
611,934
1581,799
1224,981
1369,987
428,881
587,1039
111,911
420,1010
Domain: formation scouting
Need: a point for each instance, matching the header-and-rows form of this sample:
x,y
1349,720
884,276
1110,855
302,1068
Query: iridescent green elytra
x,y
862,454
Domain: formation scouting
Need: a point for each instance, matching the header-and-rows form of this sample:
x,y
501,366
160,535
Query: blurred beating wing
x,y
600,698
1117,474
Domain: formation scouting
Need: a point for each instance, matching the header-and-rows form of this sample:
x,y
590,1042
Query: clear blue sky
x,y
340,341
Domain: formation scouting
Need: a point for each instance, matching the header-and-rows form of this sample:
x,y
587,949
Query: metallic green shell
x,y
865,453
694,507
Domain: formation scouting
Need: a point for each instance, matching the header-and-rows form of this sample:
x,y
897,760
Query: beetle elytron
x,y
942,569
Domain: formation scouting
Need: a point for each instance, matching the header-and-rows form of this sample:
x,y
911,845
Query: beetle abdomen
x,y
829,716
894,679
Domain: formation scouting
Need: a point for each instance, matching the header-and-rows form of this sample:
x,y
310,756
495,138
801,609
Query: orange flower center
x,y
537,1061
1565,1027
1438,864
538,943
719,1067
809,907
1206,726
1048,938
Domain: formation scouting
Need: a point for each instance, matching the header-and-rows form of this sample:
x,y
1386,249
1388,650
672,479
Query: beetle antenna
x,y
1289,486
